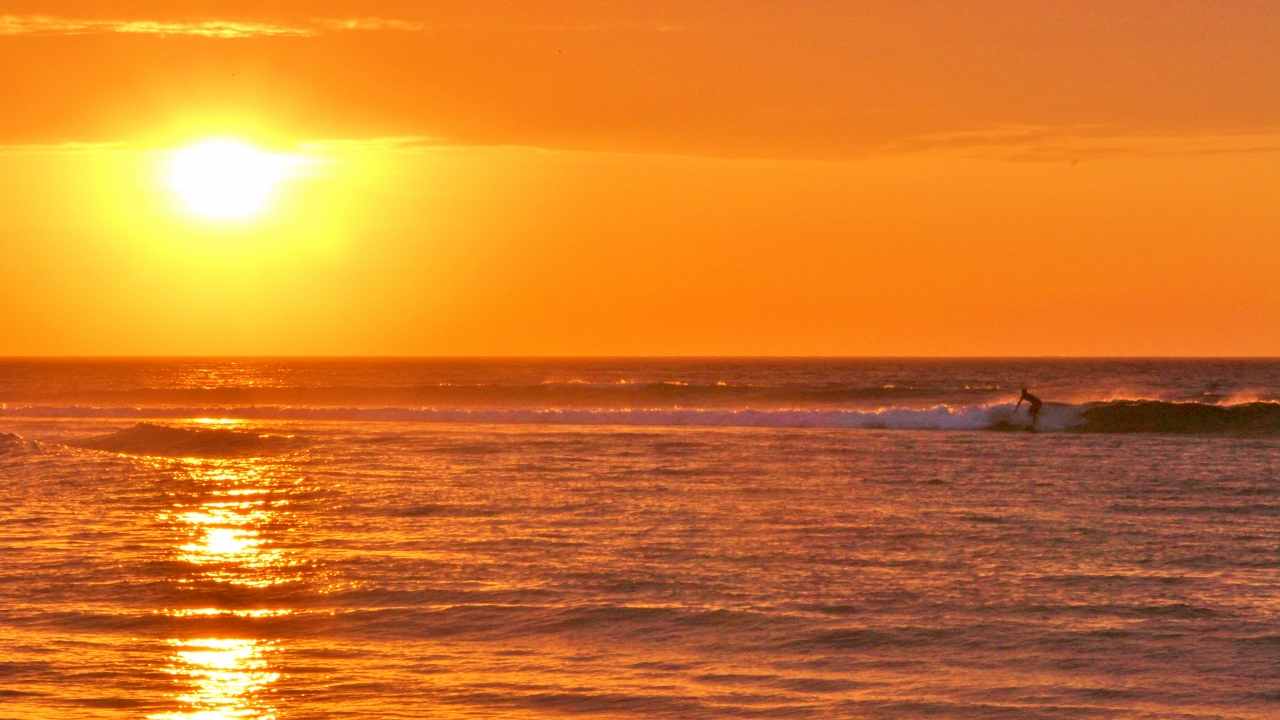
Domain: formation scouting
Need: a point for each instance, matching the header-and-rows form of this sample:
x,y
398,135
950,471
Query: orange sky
x,y
605,178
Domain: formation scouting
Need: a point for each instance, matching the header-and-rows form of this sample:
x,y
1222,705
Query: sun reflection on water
x,y
227,525
226,679
229,520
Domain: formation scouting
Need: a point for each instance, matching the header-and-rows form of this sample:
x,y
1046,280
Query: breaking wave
x,y
9,442
148,439
936,418
1120,416
578,394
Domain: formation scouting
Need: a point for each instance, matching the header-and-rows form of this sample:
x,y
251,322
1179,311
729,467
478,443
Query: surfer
x,y
1033,408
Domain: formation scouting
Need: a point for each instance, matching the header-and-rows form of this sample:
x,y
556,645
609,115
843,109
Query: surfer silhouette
x,y
1033,408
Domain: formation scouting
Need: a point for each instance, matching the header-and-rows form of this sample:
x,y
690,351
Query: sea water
x,y
216,539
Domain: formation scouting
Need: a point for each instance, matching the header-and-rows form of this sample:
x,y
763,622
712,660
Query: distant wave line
x,y
941,417
1122,416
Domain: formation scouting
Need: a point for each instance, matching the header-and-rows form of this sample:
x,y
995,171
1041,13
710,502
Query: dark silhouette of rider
x,y
1033,409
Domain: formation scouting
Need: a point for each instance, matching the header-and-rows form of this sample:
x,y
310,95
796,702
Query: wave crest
x,y
10,442
942,417
1151,416
1118,416
149,439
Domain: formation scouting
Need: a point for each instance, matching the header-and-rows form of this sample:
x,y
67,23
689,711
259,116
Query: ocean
x,y
212,539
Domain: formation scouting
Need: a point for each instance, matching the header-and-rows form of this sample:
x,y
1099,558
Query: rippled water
x,y
405,569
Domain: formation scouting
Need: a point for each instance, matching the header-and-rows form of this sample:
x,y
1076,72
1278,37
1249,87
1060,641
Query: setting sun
x,y
226,178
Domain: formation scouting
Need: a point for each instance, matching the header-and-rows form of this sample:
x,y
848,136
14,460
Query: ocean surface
x,y
219,539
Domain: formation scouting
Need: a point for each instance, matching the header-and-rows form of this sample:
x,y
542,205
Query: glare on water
x,y
225,527
225,534
223,678
380,567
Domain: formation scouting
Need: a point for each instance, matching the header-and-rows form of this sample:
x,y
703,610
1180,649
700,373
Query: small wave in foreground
x,y
148,439
10,442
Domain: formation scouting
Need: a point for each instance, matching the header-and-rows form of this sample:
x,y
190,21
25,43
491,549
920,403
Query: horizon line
x,y
5,358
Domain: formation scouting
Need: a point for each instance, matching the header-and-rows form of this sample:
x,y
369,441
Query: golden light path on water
x,y
225,678
225,535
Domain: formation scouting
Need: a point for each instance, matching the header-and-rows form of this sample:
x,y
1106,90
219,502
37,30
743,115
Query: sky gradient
x,y
593,178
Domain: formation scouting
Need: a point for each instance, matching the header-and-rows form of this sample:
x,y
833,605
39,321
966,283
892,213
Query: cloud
x,y
1009,143
399,142
47,25
1050,143
67,148
369,23
50,25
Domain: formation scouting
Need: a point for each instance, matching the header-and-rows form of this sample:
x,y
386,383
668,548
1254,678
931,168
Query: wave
x,y
148,439
1122,416
9,442
1059,417
1151,416
544,394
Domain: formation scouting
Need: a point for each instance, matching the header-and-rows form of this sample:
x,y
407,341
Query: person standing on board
x,y
1034,406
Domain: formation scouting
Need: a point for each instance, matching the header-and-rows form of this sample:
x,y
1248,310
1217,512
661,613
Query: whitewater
x,y
638,538
1114,416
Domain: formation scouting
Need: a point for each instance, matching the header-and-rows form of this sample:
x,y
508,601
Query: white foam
x,y
942,417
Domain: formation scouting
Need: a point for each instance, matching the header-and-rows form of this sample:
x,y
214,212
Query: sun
x,y
227,178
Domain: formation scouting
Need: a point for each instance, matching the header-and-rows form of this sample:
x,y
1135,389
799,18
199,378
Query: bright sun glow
x,y
227,179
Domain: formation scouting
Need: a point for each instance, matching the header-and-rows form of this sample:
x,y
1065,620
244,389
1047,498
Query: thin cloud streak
x,y
47,25
369,23
1009,144
1047,143
66,148
230,29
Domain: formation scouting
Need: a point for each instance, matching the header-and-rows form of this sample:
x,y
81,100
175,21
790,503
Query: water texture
x,y
169,564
